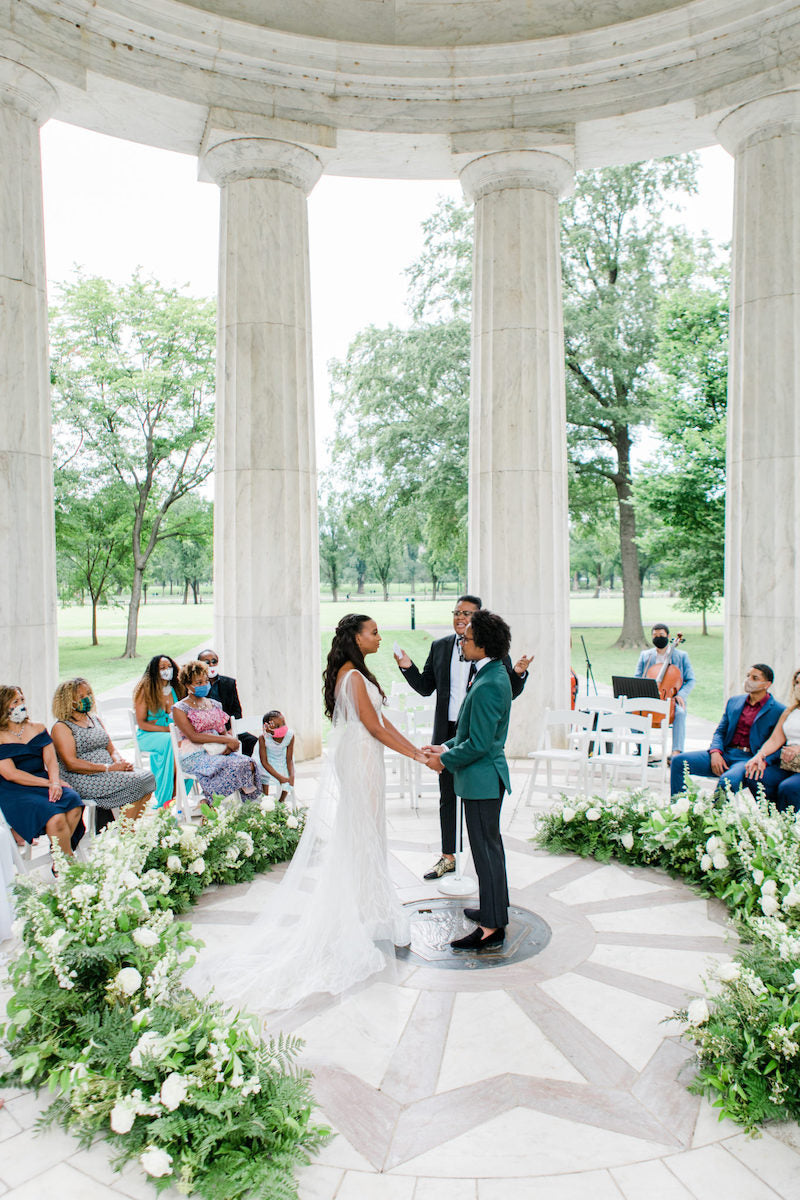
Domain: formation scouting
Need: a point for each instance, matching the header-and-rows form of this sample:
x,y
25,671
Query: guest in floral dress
x,y
89,761
206,750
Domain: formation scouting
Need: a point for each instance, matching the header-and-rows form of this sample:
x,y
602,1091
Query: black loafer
x,y
473,914
476,940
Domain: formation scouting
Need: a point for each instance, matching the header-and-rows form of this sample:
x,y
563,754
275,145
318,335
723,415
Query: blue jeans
x,y
782,787
699,763
678,729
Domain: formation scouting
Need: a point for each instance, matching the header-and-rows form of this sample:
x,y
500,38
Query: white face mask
x,y
166,674
18,714
212,671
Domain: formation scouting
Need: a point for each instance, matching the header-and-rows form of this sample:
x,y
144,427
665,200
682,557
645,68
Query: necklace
x,y
19,736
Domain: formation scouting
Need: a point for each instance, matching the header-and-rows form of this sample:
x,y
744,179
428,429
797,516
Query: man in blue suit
x,y
746,724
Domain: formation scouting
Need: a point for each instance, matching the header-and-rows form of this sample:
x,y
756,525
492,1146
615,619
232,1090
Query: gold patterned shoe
x,y
442,867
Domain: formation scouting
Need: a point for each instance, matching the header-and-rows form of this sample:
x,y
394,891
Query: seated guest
x,y
206,749
225,691
274,754
781,779
32,797
153,698
89,762
746,724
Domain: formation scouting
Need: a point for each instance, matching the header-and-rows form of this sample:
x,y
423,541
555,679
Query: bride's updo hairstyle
x,y
344,648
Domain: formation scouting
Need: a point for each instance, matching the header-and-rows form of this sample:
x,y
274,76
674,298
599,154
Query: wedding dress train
x,y
322,930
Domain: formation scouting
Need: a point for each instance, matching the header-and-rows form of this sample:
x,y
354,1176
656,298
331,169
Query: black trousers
x,y
488,855
447,804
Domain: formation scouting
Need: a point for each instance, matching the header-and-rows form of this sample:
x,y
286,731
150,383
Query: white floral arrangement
x,y
99,1014
742,850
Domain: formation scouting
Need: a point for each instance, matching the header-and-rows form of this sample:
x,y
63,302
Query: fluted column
x,y
518,536
266,573
762,563
28,634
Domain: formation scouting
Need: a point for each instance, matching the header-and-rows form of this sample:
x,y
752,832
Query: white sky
x,y
111,206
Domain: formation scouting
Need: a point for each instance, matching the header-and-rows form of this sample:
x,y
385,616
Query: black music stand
x,y
631,687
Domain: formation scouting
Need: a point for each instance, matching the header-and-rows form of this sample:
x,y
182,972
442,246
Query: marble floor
x,y
559,1077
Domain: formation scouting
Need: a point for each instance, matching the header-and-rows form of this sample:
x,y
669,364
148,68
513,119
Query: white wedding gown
x,y
322,930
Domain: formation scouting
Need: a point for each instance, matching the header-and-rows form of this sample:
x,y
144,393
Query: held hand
x,y
434,761
521,666
755,767
402,660
121,765
433,750
54,792
232,744
718,764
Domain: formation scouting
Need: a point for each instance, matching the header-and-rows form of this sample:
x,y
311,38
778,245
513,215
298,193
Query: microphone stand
x,y
589,672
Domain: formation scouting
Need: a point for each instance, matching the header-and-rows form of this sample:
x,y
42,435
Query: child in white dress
x,y
273,754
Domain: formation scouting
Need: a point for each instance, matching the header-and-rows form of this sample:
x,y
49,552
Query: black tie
x,y
473,671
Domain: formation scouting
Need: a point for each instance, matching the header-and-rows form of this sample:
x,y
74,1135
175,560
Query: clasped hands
x,y
432,757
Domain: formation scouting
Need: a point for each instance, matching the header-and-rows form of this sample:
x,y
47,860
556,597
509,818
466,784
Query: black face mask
x,y
660,642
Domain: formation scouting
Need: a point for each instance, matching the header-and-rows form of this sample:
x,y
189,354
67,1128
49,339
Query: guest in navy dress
x,y
33,799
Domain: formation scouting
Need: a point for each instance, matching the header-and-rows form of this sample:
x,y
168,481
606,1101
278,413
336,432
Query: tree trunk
x,y
434,585
94,622
186,589
195,591
598,581
705,622
133,613
632,635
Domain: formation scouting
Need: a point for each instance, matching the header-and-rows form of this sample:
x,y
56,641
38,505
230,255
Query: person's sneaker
x,y
442,867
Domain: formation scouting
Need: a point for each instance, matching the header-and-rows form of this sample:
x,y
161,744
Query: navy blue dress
x,y
28,809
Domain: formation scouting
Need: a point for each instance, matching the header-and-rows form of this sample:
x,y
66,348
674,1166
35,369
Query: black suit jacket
x,y
435,677
223,688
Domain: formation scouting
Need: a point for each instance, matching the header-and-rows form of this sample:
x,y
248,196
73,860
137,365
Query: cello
x,y
669,680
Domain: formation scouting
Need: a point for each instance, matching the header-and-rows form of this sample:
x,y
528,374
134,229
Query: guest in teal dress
x,y
153,698
33,799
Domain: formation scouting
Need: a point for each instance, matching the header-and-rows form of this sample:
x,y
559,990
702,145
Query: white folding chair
x,y
574,730
139,756
250,723
660,735
20,856
621,744
185,801
598,704
398,775
113,714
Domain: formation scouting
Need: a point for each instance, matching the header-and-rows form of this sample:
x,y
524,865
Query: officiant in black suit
x,y
224,689
446,672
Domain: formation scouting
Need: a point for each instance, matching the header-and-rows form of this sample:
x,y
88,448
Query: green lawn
x,y
704,652
104,665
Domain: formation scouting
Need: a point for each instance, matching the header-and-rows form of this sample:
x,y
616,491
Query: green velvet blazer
x,y
475,754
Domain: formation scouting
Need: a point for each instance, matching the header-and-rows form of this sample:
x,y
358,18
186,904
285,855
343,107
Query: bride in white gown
x,y
323,930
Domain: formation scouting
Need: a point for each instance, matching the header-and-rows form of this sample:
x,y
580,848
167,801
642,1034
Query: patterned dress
x,y
112,789
217,774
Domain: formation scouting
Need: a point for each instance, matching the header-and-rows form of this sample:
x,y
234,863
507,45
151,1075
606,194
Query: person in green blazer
x,y
475,756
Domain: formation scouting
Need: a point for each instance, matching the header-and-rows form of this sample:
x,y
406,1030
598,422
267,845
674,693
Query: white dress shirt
x,y
459,675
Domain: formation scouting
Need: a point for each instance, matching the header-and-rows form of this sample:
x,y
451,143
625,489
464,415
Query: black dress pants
x,y
447,804
488,855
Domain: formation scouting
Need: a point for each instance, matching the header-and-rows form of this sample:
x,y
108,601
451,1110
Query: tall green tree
x,y
92,536
133,390
683,487
616,253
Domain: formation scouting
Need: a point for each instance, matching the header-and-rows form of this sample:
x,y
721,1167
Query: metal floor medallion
x,y
435,923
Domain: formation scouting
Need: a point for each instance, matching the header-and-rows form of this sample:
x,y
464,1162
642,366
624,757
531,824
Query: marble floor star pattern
x,y
561,1076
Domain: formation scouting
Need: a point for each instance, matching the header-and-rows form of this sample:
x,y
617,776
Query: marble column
x,y
28,634
266,555
762,562
518,535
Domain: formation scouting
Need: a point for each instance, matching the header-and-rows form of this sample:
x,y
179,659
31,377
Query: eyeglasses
x,y
212,662
463,612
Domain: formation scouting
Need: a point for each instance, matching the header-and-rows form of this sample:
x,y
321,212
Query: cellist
x,y
679,658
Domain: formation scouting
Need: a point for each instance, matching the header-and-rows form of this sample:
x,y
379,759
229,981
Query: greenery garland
x,y
98,1012
740,849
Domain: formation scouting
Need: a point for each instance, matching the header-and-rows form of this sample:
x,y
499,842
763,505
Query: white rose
x,y
769,888
148,1044
729,972
791,899
627,840
720,860
173,1091
697,1012
145,937
83,892
714,843
122,1117
758,878
769,905
174,864
128,980
706,863
681,806
593,814
267,805
156,1162
567,814
292,822
129,880
198,866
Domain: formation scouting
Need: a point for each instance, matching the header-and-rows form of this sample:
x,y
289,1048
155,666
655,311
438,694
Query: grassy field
x,y
177,628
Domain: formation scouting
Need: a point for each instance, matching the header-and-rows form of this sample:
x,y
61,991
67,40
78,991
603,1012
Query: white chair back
x,y
249,723
185,801
138,756
660,736
113,714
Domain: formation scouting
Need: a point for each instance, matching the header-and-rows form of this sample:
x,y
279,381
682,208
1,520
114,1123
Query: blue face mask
x,y
201,690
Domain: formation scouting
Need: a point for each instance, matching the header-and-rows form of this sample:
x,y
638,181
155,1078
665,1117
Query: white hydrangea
x,y
197,867
627,840
156,1162
698,1012
83,892
592,814
128,981
292,822
769,905
706,862
729,972
122,1116
719,860
173,1091
714,843
681,806
758,878
144,937
174,864
769,887
267,804
149,1045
